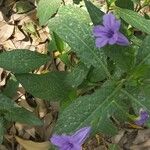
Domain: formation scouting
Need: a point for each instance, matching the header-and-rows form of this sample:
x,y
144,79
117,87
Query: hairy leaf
x,y
78,35
23,116
2,129
94,12
128,4
123,56
22,60
49,86
91,110
47,8
134,19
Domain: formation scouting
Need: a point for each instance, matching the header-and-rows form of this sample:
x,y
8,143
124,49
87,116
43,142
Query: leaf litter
x,y
19,28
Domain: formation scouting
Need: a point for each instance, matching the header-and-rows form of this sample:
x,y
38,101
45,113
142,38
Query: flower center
x,y
70,145
110,34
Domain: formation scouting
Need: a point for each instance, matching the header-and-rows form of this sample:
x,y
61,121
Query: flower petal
x,y
99,31
100,42
110,22
122,40
59,140
81,135
143,117
113,40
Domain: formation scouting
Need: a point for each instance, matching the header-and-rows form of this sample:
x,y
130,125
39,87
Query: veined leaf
x,y
142,68
123,56
22,61
128,4
75,12
11,87
78,35
49,86
94,12
91,110
138,100
78,74
6,104
23,116
2,129
47,8
134,19
144,52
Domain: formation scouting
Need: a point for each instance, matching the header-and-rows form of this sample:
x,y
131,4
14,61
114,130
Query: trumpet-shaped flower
x,y
71,142
108,33
143,117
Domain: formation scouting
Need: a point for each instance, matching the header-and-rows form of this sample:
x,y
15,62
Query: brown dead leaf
x,y
18,35
5,32
30,145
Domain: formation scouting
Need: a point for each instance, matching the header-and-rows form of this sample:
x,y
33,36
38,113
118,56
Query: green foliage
x,y
2,129
125,4
23,6
77,1
10,111
49,86
23,116
47,8
22,61
124,57
94,12
134,19
77,34
77,75
90,110
11,87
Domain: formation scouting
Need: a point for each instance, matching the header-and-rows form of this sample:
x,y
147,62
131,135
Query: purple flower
x,y
109,32
71,142
143,117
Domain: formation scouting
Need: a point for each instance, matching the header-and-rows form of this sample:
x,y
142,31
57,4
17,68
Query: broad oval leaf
x,y
22,60
47,8
134,19
49,86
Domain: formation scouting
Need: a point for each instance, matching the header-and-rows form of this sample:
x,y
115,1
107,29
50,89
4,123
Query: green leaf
x,y
123,56
49,86
75,12
78,74
11,87
23,6
91,110
77,33
22,61
6,103
47,8
77,1
23,116
134,19
143,56
96,74
2,129
138,99
142,68
128,4
113,147
56,43
94,12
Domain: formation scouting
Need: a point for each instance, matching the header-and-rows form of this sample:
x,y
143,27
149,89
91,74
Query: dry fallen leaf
x,y
30,145
5,32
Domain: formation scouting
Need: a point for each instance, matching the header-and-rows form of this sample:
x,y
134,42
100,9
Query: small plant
x,y
106,82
